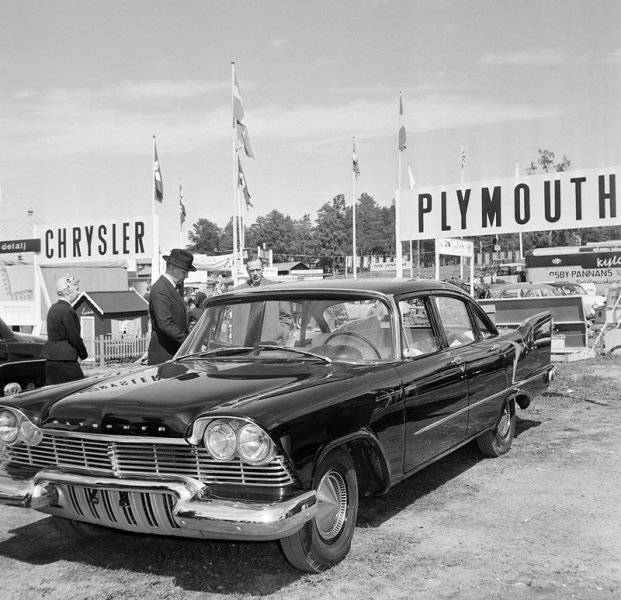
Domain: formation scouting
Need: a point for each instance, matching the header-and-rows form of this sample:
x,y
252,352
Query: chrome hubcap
x,y
504,424
331,505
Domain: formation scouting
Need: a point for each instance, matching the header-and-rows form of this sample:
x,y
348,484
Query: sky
x,y
84,86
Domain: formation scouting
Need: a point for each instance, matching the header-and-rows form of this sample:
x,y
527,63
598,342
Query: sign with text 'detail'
x,y
567,200
109,239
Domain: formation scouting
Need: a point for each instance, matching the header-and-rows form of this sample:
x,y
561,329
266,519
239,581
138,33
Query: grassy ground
x,y
539,522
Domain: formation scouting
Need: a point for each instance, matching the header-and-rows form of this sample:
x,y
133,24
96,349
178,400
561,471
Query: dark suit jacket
x,y
64,342
169,321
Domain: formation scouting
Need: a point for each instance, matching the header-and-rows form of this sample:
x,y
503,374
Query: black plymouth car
x,y
284,406
21,365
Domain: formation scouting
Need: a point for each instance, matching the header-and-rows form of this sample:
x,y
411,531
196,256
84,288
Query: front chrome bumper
x,y
178,506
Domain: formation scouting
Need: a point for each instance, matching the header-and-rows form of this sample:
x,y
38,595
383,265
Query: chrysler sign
x,y
108,239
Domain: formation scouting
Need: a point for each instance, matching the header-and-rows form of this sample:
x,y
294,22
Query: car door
x,y
435,390
487,368
484,357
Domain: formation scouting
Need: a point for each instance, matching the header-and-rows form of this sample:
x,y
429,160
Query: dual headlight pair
x,y
14,425
227,438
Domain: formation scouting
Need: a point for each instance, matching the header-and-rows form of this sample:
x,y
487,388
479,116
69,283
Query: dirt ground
x,y
540,522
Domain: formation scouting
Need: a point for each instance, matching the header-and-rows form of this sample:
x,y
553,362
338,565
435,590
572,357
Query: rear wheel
x,y
497,441
325,541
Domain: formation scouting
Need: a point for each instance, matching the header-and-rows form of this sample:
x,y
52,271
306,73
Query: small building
x,y
290,268
115,313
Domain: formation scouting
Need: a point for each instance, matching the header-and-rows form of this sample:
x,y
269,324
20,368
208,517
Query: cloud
x,y
539,57
130,91
614,57
279,43
87,125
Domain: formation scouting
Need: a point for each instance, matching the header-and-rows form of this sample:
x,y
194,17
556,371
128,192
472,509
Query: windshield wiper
x,y
295,350
218,351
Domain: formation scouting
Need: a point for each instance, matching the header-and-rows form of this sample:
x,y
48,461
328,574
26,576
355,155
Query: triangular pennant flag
x,y
411,181
356,163
241,182
157,176
182,214
403,143
238,120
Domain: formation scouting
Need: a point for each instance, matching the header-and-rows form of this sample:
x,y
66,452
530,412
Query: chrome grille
x,y
127,459
146,512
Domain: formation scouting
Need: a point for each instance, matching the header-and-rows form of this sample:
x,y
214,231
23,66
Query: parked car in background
x,y
21,365
284,406
524,290
591,302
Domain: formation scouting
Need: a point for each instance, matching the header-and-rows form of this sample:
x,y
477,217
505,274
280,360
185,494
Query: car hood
x,y
164,400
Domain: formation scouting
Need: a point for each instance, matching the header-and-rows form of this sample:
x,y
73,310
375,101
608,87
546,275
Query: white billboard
x,y
455,247
109,239
567,200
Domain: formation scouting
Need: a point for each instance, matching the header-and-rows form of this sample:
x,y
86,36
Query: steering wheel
x,y
356,335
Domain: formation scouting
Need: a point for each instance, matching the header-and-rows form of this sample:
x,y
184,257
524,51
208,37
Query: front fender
x,y
358,444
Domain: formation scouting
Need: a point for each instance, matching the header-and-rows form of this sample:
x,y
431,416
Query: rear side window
x,y
455,321
419,337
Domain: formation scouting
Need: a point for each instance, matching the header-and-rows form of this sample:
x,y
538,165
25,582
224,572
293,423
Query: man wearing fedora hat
x,y
168,312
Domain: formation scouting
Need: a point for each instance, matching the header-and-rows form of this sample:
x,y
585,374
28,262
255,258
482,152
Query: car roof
x,y
391,287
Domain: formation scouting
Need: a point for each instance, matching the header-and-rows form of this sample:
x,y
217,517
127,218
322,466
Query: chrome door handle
x,y
494,348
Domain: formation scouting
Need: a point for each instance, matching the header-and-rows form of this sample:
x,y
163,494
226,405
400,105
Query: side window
x,y
419,337
483,328
455,320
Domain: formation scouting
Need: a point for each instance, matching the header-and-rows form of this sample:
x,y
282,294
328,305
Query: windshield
x,y
339,328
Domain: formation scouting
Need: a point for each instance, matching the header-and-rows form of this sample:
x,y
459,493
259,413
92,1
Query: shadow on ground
x,y
210,566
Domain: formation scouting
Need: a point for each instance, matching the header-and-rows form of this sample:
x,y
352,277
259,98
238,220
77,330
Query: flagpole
x,y
517,174
181,241
155,254
235,178
461,179
353,218
398,250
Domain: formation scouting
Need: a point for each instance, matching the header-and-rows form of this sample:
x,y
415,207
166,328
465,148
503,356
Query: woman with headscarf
x,y
64,343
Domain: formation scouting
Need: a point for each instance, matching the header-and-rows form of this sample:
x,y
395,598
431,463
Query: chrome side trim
x,y
461,411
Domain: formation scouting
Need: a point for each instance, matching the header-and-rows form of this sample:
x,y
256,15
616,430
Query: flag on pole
x,y
181,205
238,120
462,158
403,144
157,175
517,168
411,181
356,163
243,185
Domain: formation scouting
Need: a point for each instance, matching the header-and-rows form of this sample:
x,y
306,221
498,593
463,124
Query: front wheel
x,y
497,441
325,541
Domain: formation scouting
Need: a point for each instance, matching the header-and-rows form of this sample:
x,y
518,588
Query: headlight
x,y
220,440
9,426
254,444
31,434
